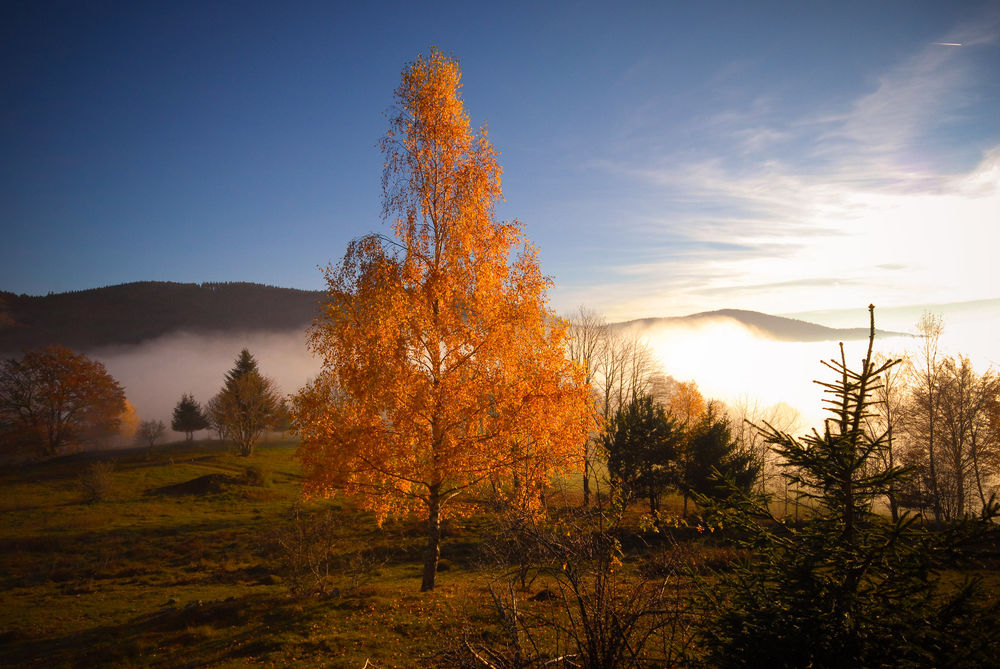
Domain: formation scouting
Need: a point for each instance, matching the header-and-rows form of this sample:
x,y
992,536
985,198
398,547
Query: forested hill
x,y
133,312
764,325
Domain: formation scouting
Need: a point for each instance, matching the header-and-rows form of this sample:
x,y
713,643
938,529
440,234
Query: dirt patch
x,y
209,484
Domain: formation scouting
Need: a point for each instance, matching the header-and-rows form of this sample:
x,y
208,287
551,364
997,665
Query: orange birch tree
x,y
443,368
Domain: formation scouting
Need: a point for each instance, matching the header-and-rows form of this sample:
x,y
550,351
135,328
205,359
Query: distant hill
x,y
764,325
133,312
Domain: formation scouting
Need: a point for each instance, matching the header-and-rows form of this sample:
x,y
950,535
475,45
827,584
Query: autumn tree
x,y
923,409
53,397
686,405
967,442
245,406
443,368
128,426
188,417
888,407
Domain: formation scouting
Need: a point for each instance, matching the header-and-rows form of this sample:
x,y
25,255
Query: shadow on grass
x,y
191,636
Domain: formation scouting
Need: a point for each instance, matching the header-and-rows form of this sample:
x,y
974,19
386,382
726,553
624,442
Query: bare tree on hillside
x,y
587,331
922,411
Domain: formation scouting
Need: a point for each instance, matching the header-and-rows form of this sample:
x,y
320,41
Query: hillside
x,y
763,325
134,312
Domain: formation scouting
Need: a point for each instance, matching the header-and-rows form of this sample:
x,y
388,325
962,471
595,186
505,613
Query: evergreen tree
x,y
642,444
245,364
849,587
245,406
714,464
188,417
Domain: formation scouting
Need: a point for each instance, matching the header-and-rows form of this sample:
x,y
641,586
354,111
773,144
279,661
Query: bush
x,y
97,481
593,609
257,476
315,560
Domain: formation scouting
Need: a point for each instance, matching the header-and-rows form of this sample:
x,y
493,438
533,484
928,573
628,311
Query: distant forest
x,y
133,312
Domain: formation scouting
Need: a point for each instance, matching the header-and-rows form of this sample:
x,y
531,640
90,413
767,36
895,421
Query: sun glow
x,y
730,363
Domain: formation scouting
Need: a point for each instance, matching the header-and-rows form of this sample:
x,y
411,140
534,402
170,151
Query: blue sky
x,y
666,158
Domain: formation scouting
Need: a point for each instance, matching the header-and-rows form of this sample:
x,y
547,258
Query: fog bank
x,y
730,361
157,372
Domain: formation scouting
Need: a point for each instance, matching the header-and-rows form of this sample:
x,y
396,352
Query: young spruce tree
x,y
848,587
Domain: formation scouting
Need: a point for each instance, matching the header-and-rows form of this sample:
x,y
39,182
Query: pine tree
x,y
245,364
188,417
714,463
849,587
642,444
245,406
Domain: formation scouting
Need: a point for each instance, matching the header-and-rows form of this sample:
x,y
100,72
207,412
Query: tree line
x,y
651,433
942,417
54,401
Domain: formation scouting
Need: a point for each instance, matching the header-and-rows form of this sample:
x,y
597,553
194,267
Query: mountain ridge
x,y
130,313
779,328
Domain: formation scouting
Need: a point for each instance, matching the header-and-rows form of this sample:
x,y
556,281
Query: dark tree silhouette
x,y
188,417
53,397
642,443
714,464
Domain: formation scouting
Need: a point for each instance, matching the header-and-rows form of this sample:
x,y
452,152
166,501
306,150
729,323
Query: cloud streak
x,y
870,203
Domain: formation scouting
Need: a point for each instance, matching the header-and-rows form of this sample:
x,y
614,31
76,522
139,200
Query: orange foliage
x,y
128,423
686,403
444,369
58,398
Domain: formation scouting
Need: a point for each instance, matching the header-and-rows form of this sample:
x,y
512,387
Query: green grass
x,y
178,565
158,573
148,578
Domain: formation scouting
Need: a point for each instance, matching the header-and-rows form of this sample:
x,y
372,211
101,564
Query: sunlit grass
x,y
148,578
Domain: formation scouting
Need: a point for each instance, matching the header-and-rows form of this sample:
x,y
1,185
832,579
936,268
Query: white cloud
x,y
869,196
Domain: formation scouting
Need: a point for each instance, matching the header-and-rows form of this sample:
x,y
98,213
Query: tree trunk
x,y
586,474
975,471
893,498
932,465
433,553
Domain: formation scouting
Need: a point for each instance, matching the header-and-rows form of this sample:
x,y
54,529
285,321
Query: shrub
x,y
257,476
315,560
593,611
97,481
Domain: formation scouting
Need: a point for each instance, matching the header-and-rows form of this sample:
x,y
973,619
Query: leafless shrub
x,y
317,561
97,481
594,610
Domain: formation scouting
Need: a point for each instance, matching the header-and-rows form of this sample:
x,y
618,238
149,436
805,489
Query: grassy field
x,y
172,557
177,565
186,556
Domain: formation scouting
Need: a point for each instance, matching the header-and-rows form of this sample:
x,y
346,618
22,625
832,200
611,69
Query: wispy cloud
x,y
870,194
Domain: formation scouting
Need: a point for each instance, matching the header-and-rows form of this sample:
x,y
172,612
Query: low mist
x,y
156,373
733,363
728,360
